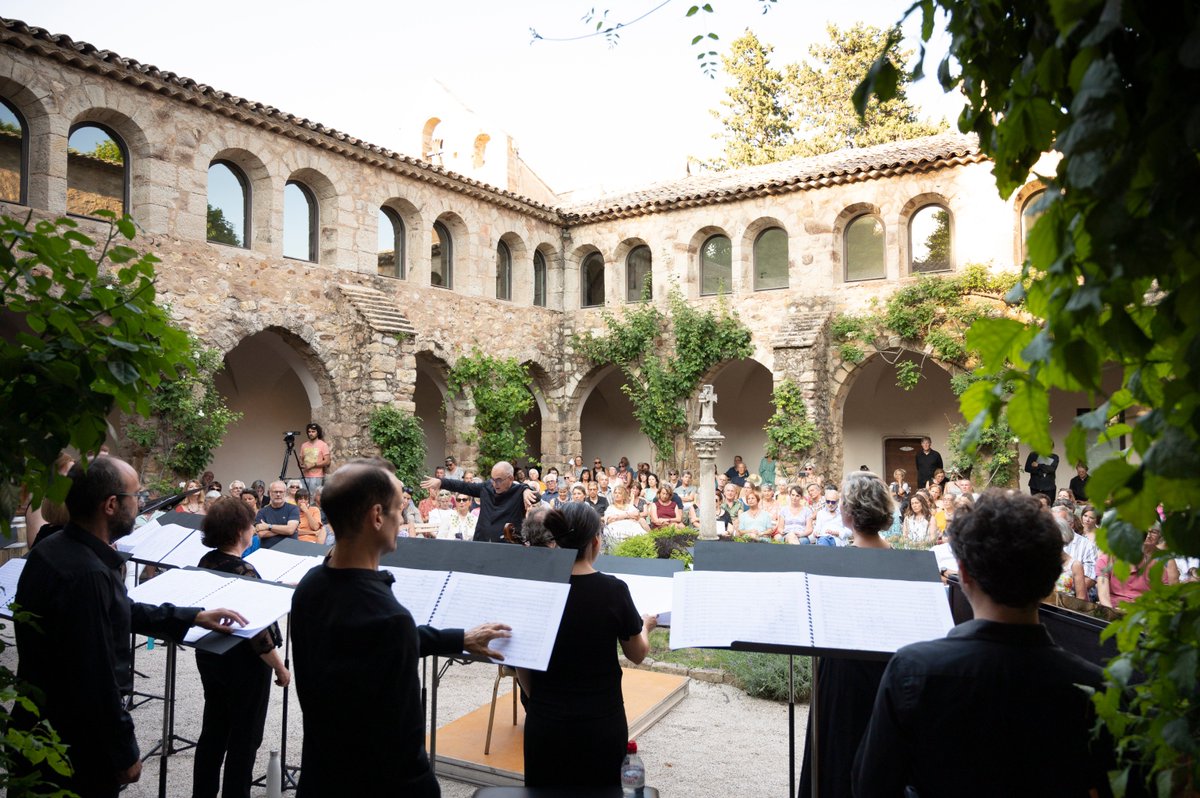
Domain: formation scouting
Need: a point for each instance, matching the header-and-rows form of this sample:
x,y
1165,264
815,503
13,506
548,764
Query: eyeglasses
x,y
463,499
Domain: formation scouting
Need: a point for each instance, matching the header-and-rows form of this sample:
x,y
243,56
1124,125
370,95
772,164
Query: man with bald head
x,y
356,650
74,648
501,500
279,519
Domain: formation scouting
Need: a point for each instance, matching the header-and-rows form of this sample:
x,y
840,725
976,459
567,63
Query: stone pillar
x,y
707,441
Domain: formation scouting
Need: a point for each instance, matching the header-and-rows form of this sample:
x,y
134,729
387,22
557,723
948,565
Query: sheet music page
x,y
715,608
262,603
417,590
651,594
188,552
10,573
532,609
161,543
876,614
278,566
131,541
945,557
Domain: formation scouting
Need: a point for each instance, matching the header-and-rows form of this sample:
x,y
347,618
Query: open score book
x,y
715,608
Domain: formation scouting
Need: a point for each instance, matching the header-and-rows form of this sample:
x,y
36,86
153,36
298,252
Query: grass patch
x,y
758,675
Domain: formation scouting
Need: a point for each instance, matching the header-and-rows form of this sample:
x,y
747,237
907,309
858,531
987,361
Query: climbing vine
x,y
189,420
790,432
499,390
662,357
401,441
930,316
994,461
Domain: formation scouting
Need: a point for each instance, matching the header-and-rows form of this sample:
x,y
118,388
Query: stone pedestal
x,y
707,441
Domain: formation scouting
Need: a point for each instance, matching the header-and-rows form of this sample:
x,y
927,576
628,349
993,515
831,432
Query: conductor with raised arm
x,y
501,500
75,648
356,651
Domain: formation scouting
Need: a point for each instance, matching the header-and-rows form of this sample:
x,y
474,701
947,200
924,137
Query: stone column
x,y
707,441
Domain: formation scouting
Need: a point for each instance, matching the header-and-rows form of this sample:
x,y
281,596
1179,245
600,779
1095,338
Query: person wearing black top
x,y
1041,474
237,684
944,706
356,651
928,461
501,501
74,648
1079,482
575,727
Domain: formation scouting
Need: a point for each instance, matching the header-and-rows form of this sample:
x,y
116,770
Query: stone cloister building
x,y
360,276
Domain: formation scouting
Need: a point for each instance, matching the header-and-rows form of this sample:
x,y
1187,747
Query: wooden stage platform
x,y
648,697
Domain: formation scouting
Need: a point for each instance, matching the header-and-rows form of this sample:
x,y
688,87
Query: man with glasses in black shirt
x,y
501,500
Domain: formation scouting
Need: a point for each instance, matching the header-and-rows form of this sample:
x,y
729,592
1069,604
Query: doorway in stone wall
x,y
901,453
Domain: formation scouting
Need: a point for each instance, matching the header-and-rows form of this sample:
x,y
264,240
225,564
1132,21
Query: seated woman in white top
x,y
794,517
754,522
460,524
621,520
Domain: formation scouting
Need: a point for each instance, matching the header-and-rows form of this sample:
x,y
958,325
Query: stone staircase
x,y
803,331
377,309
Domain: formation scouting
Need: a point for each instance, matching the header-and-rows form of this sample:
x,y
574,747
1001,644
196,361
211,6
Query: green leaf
x,y
1175,455
1029,416
1124,540
1107,478
997,340
125,373
691,12
1077,444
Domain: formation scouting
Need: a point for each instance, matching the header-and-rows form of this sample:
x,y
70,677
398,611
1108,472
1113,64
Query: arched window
x,y
637,274
592,281
389,249
299,222
864,255
97,171
14,151
228,205
771,259
1031,211
441,257
716,265
503,271
539,279
929,244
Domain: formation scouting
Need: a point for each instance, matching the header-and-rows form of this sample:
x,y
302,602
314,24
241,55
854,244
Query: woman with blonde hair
x,y
621,520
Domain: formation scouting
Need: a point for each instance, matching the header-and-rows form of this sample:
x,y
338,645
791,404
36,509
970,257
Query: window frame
x,y
447,243
504,261
583,280
703,246
787,278
314,217
126,167
539,278
1023,233
244,182
399,245
23,165
846,247
950,264
634,293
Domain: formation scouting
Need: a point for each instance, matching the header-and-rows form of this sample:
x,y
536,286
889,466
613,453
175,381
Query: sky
x,y
583,114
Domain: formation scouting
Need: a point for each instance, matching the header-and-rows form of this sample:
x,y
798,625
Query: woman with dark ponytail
x,y
575,729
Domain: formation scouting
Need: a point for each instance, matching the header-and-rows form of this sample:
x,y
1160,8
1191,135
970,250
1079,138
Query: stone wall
x,y
365,338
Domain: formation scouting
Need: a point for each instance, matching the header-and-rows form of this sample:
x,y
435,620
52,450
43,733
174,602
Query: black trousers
x,y
237,686
574,753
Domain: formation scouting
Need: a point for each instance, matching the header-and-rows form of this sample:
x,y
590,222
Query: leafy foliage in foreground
x,y
1112,278
401,442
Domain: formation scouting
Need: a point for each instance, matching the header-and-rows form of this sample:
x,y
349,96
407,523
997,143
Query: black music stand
x,y
910,566
487,559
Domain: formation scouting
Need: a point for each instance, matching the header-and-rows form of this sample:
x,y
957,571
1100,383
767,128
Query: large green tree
x,y
1113,280
806,108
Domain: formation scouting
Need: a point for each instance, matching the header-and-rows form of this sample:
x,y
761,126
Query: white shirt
x,y
1083,550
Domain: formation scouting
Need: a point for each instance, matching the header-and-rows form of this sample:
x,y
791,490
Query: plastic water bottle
x,y
633,772
274,776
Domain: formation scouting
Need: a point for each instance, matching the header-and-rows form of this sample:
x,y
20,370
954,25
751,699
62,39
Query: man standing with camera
x,y
314,457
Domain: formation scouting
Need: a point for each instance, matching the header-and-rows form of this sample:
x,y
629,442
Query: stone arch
x,y
261,196
411,218
431,148
743,388
1020,197
603,415
693,275
139,154
460,249
520,267
479,155
279,382
326,195
748,240
38,107
850,214
434,406
550,257
904,228
540,422
861,391
578,257
620,260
